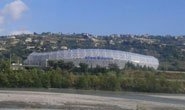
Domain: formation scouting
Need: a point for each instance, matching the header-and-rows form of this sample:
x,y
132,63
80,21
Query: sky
x,y
100,17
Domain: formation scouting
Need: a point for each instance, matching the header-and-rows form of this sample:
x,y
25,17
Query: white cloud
x,y
12,12
19,32
15,9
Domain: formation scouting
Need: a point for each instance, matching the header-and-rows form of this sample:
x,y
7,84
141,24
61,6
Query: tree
x,y
35,74
4,66
53,64
98,69
69,66
45,78
82,83
114,67
4,82
94,82
83,67
56,80
110,82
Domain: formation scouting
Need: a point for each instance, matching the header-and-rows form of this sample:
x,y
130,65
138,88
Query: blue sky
x,y
157,17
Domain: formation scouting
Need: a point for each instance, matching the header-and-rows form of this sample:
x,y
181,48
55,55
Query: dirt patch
x,y
66,106
68,101
154,107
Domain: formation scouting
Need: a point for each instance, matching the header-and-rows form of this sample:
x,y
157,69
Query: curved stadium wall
x,y
92,57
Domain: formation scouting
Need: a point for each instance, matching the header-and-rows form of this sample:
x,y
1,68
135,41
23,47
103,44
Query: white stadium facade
x,y
92,57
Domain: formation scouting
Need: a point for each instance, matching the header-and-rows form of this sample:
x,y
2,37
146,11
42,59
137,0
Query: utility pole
x,y
10,60
166,64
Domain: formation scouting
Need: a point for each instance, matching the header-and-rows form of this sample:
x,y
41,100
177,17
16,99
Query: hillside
x,y
170,50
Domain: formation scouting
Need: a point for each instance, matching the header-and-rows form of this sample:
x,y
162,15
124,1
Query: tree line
x,y
65,75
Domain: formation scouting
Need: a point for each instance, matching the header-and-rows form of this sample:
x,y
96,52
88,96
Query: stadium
x,y
92,57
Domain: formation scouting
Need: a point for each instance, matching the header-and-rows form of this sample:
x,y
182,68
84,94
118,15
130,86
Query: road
x,y
83,99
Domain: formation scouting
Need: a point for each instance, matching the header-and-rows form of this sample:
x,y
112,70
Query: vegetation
x,y
65,75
